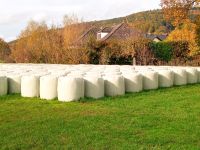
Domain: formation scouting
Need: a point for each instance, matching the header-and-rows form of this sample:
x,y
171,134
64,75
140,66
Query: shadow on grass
x,y
106,98
139,94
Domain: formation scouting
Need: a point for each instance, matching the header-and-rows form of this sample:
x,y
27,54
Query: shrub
x,y
120,60
180,50
94,50
123,51
4,51
111,52
162,50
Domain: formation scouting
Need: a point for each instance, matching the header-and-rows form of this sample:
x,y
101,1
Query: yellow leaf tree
x,y
186,32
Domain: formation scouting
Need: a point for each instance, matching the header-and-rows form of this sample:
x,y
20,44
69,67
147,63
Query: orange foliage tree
x,y
177,11
198,31
73,28
4,51
187,33
40,44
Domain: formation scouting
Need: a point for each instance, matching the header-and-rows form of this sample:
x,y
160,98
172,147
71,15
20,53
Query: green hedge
x,y
162,50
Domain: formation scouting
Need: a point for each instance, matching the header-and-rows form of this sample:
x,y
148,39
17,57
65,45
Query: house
x,y
103,32
121,31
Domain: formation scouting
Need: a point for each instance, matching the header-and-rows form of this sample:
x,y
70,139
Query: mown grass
x,y
161,119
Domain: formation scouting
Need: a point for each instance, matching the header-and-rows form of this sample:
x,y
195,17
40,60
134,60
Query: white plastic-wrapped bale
x,y
114,85
150,80
97,73
180,76
30,86
112,73
48,87
165,78
14,84
70,88
192,75
94,87
198,71
133,82
78,76
3,85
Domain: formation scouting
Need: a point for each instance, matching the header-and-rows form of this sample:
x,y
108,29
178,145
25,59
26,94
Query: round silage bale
x,y
180,76
94,86
14,84
198,71
78,76
48,87
165,78
192,75
114,85
30,86
150,80
3,85
133,82
70,88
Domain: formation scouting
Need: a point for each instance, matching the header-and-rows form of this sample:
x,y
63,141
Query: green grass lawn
x,y
161,119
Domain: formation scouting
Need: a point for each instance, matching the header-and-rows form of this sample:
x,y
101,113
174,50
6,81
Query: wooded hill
x,y
148,21
151,21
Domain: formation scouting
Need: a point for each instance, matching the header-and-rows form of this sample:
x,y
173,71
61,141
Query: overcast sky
x,y
14,14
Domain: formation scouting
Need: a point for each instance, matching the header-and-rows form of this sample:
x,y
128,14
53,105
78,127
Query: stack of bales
x,y
73,82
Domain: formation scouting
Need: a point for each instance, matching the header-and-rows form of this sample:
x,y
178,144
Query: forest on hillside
x,y
148,21
152,21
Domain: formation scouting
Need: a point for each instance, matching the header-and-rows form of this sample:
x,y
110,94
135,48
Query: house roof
x,y
161,37
120,31
93,30
106,29
112,32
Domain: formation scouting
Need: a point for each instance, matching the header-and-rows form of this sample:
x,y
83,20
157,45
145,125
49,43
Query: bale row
x,y
71,83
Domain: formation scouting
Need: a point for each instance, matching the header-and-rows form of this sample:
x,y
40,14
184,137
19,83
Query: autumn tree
x,y
4,51
177,11
73,28
198,32
39,44
33,27
27,47
187,33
